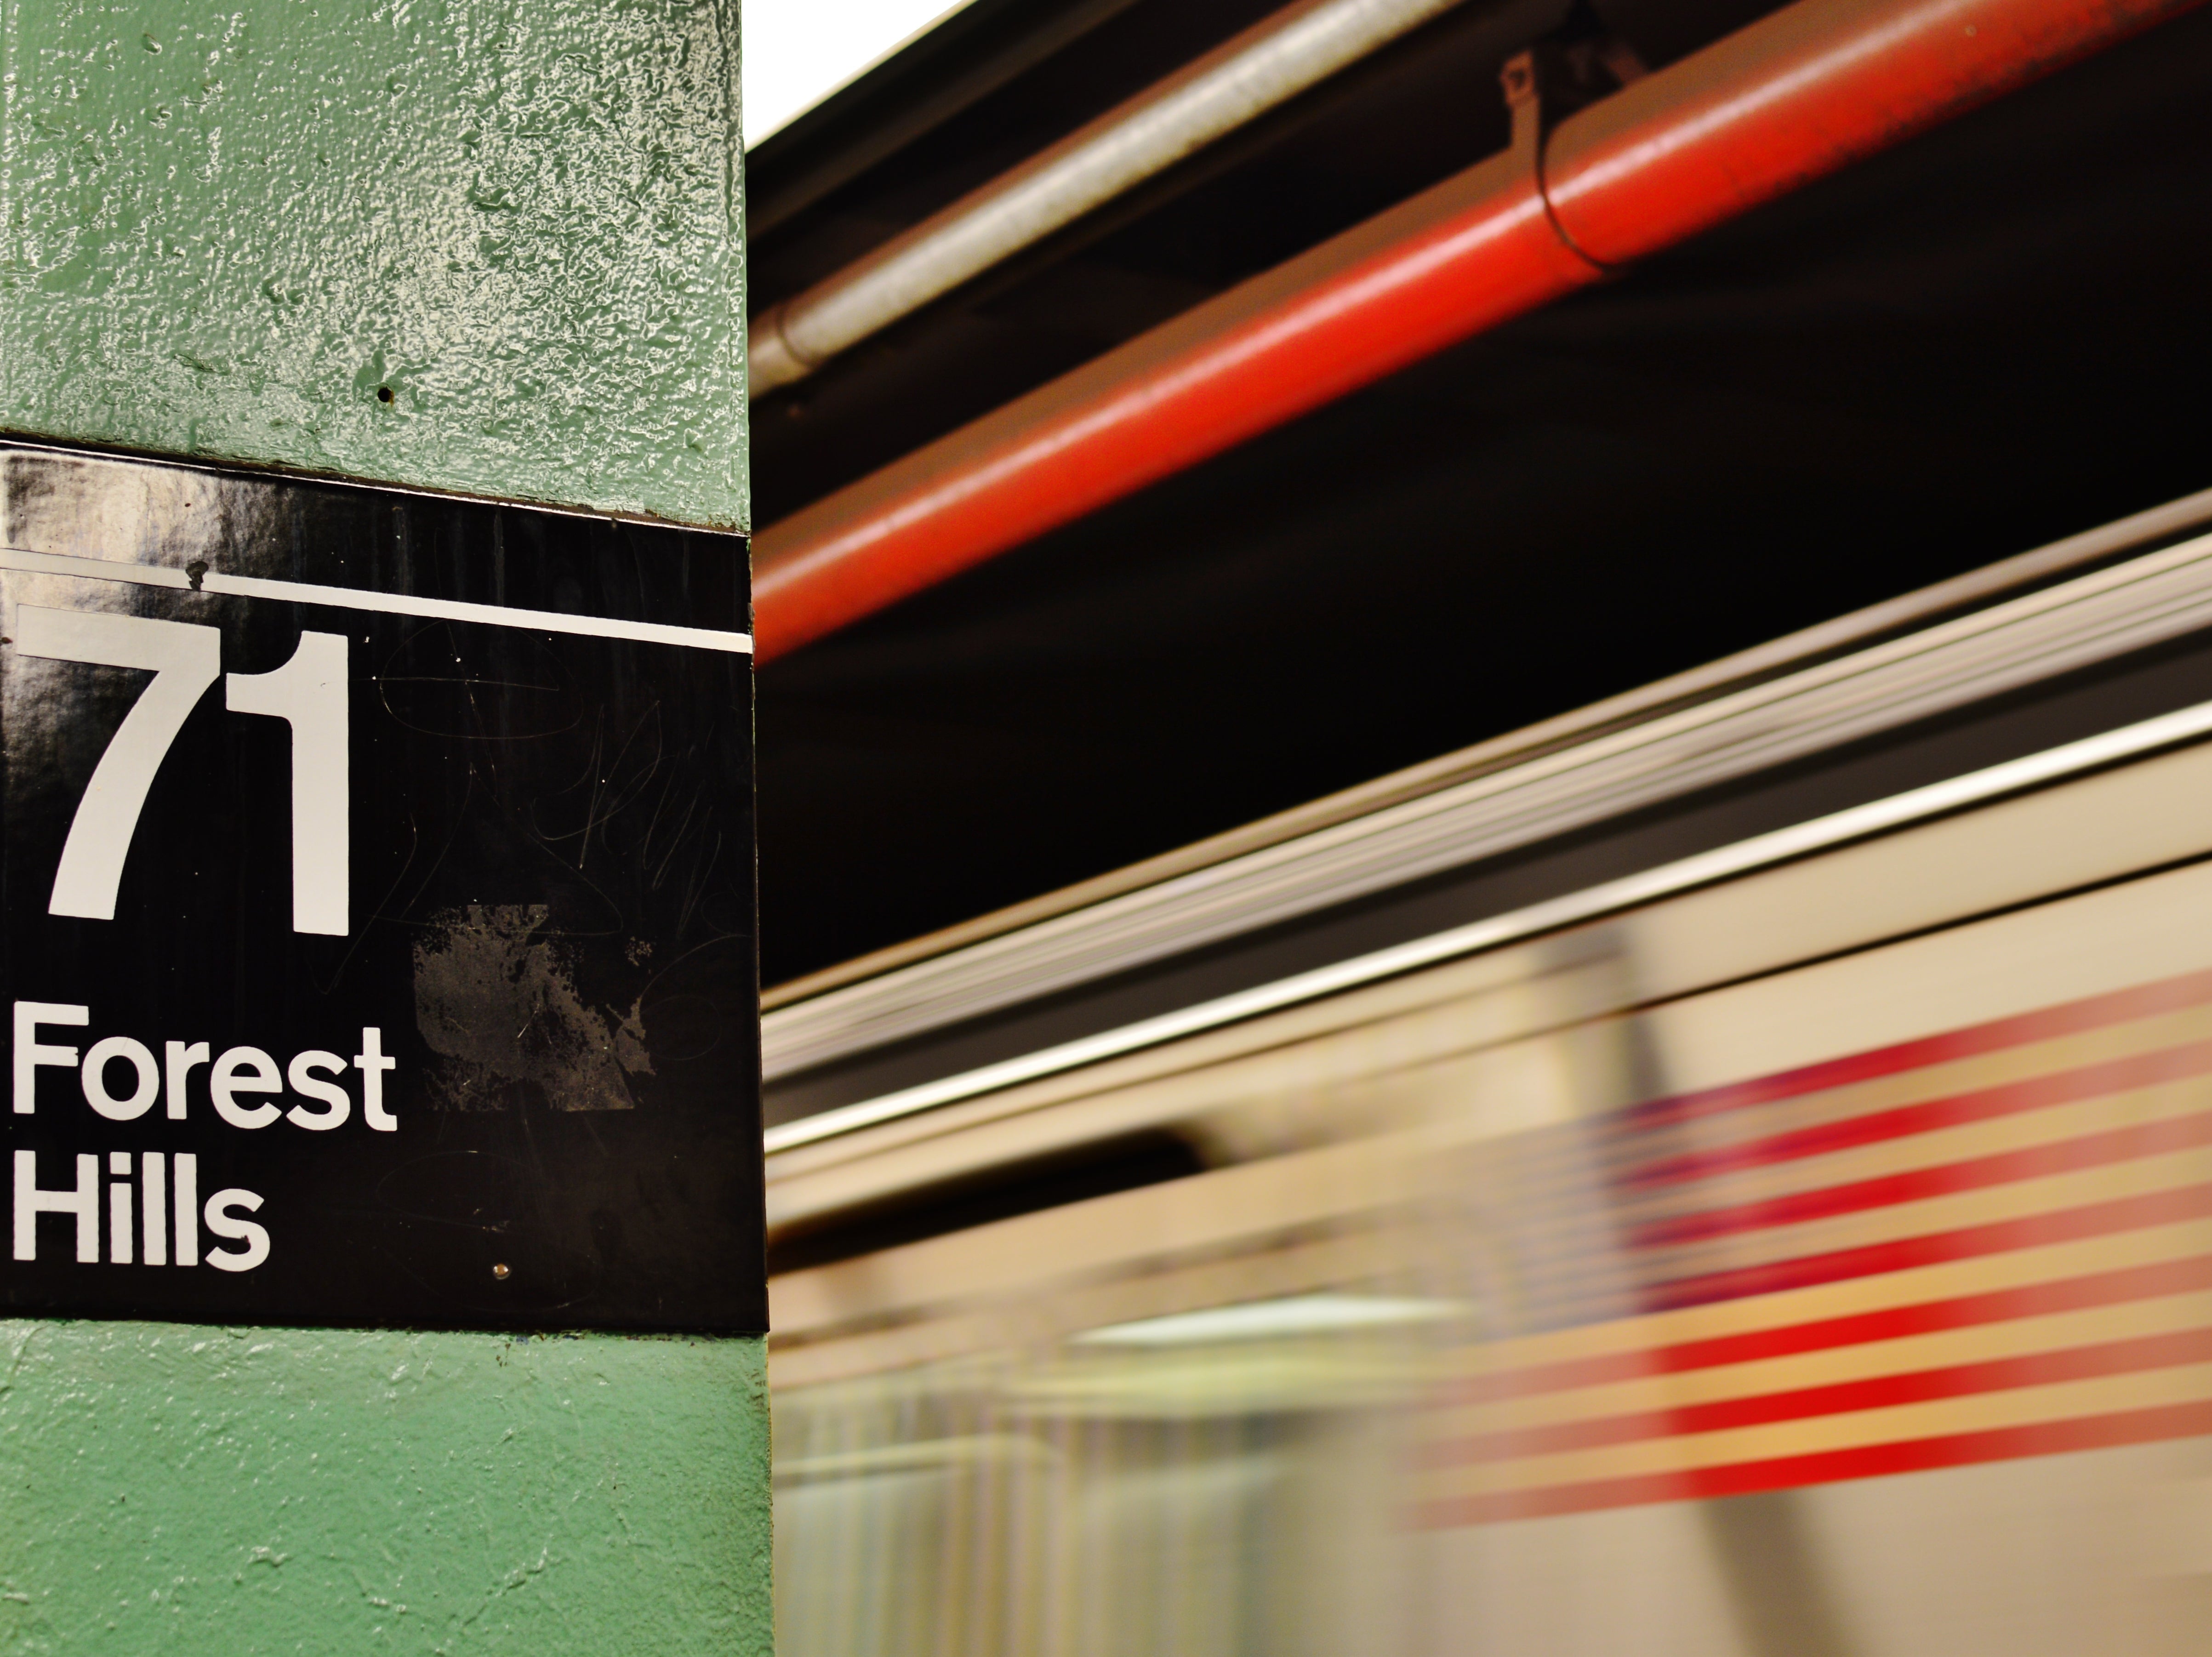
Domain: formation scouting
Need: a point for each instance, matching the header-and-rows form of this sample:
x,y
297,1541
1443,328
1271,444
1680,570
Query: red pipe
x,y
1796,95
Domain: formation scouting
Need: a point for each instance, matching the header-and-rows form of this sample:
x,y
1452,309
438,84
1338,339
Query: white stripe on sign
x,y
389,603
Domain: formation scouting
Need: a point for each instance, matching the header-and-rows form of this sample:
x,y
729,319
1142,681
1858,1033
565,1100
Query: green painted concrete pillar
x,y
465,245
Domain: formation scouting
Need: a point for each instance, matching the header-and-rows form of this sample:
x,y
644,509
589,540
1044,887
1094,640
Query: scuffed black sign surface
x,y
547,920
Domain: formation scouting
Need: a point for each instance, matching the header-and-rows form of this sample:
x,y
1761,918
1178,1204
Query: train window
x,y
1127,1162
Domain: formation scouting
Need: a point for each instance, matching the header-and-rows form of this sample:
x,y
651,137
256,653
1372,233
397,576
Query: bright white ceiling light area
x,y
1302,1314
797,52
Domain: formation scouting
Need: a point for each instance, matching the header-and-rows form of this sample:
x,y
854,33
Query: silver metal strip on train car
x,y
1825,641
1668,880
2093,618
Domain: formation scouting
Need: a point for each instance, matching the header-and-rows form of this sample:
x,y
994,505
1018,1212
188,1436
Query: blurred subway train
x,y
1726,1171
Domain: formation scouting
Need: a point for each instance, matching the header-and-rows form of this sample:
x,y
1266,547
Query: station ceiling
x,y
1989,337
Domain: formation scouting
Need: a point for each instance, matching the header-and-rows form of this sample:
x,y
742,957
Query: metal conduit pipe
x,y
1793,97
1268,64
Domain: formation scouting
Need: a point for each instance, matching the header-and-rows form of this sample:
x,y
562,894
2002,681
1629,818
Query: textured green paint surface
x,y
186,1490
224,228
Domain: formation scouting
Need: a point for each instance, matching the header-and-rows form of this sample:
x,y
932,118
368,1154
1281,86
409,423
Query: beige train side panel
x,y
1721,1278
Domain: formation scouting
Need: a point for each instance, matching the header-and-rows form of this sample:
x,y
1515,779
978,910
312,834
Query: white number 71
x,y
309,692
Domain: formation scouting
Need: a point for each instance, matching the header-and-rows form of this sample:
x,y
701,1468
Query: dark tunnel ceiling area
x,y
1990,337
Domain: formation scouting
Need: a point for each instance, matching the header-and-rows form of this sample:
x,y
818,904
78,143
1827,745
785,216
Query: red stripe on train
x,y
2142,1001
1889,1323
1826,1467
1986,1104
2099,1150
2104,1219
2134,1356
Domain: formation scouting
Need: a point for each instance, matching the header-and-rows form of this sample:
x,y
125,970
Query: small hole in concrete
x,y
384,394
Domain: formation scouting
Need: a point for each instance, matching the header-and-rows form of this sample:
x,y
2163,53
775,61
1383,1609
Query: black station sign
x,y
379,895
